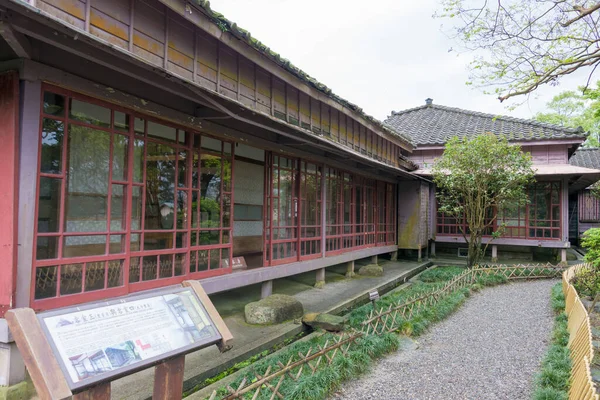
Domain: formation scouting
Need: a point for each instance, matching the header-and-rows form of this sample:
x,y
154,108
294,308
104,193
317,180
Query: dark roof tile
x,y
586,158
435,125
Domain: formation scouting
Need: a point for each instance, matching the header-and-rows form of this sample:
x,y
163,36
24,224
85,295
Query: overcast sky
x,y
381,54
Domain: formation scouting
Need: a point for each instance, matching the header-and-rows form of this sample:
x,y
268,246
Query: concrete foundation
x,y
494,253
432,250
320,278
374,259
266,289
350,269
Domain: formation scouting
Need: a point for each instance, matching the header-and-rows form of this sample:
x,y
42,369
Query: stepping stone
x,y
274,309
328,322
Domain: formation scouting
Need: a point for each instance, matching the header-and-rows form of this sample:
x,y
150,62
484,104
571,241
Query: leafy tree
x,y
525,43
477,176
576,109
587,281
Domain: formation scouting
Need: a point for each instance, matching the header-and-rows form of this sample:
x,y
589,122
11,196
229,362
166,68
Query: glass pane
x,y
87,180
52,143
49,205
115,273
193,260
70,278
209,237
45,282
210,185
47,247
226,211
166,266
195,215
182,136
160,187
135,242
94,276
182,169
226,175
118,207
225,237
180,264
134,269
182,211
117,244
121,121
215,258
181,240
225,258
149,268
54,104
194,238
162,132
82,246
91,113
138,161
136,208
209,143
120,145
202,260
158,241
139,126
195,167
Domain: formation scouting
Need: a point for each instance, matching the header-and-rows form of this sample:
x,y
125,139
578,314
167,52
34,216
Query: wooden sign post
x,y
76,352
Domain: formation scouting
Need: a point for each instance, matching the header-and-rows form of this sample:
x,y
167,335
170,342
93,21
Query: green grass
x,y
440,274
552,382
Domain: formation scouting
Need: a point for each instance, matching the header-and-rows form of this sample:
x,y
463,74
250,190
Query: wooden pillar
x,y
494,253
350,269
9,172
266,289
100,392
323,210
168,379
320,279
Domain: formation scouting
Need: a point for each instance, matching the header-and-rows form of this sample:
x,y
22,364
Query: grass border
x,y
553,380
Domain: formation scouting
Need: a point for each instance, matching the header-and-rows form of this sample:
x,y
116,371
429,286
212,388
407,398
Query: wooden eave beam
x,y
17,41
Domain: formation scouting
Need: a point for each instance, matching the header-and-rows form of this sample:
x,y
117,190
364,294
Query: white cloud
x,y
383,55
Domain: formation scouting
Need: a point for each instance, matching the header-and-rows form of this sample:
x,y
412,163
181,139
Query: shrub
x,y
440,274
587,281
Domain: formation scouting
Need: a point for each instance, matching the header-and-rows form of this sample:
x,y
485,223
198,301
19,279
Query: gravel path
x,y
490,348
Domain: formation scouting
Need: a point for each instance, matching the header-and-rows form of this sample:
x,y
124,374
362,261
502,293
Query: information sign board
x,y
102,341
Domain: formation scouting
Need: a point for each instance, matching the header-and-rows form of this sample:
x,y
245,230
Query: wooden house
x,y
584,206
541,224
147,142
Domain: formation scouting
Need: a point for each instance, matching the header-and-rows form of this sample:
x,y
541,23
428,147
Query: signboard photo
x,y
109,339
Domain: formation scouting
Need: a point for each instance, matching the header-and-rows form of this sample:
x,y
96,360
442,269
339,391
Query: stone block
x,y
274,309
371,270
328,322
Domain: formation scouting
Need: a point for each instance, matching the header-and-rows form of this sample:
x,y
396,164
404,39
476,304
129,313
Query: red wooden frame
x,y
124,271
9,193
521,222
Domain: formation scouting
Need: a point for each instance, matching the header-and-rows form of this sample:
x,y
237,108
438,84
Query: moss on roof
x,y
228,26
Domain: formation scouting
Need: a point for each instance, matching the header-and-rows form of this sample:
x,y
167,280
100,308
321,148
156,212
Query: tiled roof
x,y
229,26
586,157
433,124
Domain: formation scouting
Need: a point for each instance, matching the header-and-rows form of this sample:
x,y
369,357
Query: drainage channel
x,y
205,389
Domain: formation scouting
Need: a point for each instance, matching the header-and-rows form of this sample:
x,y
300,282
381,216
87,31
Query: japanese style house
x,y
147,142
584,207
541,224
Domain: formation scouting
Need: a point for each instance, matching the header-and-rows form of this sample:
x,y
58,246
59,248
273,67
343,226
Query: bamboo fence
x,y
580,339
378,322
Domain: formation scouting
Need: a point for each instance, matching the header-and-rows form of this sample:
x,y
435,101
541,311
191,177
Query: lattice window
x,y
125,202
589,207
